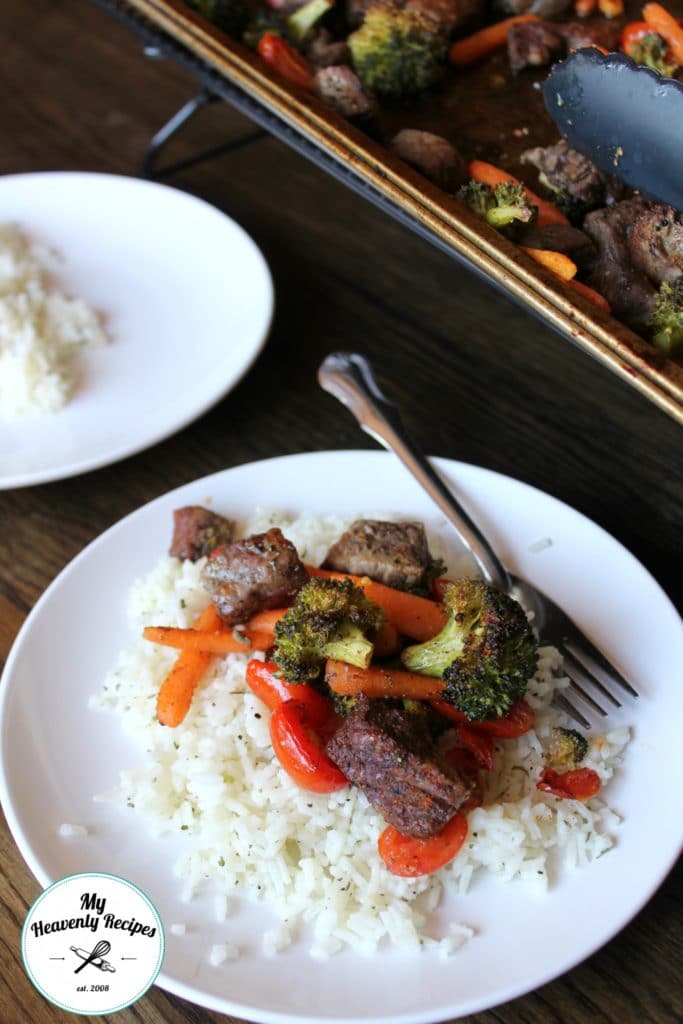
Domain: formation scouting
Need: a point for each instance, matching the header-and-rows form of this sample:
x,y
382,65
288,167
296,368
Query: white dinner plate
x,y
187,300
56,753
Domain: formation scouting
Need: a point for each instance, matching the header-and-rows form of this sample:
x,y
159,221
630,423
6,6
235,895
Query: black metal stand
x,y
148,168
157,44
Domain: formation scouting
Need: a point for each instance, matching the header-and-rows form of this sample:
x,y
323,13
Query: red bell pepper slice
x,y
283,58
479,743
263,678
579,784
299,749
633,33
409,857
519,719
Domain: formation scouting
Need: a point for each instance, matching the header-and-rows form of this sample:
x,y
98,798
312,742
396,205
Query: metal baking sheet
x,y
234,73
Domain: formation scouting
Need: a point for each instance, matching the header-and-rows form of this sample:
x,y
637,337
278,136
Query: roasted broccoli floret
x,y
398,52
295,28
666,325
343,703
485,654
567,748
329,619
500,206
230,15
652,51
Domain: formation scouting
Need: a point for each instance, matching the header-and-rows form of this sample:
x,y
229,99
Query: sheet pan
x,y
231,71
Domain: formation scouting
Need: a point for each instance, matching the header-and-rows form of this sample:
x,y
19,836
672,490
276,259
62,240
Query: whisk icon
x,y
95,957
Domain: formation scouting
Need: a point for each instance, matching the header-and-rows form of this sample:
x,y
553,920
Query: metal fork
x,y
349,377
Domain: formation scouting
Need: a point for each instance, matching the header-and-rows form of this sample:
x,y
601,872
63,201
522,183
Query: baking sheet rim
x,y
630,357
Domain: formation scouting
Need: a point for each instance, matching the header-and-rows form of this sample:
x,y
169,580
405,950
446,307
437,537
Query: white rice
x,y
222,951
67,831
313,857
41,329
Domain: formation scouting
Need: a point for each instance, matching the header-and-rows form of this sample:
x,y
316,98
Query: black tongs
x,y
624,117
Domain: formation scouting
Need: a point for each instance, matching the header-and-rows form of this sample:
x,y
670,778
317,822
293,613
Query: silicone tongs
x,y
625,118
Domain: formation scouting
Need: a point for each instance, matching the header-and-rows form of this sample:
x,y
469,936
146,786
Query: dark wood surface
x,y
479,380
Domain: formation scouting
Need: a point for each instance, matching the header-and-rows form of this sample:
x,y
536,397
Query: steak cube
x,y
393,553
389,753
253,574
197,531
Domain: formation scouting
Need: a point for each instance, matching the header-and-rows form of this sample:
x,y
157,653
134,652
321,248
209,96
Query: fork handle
x,y
349,377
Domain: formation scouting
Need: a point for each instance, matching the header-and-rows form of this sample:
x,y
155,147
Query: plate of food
x,y
260,879
127,309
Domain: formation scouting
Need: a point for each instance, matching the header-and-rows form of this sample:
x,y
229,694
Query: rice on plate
x,y
313,857
41,329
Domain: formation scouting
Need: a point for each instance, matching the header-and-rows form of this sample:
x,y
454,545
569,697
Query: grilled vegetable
x,y
398,52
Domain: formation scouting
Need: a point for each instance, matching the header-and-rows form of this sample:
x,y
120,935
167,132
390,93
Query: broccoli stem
x,y
669,340
501,216
351,647
300,23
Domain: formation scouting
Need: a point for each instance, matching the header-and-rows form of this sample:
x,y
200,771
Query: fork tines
x,y
589,670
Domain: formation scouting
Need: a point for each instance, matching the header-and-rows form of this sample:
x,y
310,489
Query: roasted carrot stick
x,y
215,641
611,8
380,682
413,616
667,27
489,174
265,622
480,44
591,294
175,693
387,642
556,262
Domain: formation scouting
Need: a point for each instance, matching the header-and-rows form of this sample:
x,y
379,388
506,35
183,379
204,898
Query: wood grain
x,y
477,377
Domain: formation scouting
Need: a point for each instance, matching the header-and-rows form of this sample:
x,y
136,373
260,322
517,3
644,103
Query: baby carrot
x,y
556,262
489,174
175,693
591,295
480,44
413,616
377,682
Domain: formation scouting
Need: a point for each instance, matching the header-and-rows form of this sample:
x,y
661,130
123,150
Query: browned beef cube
x,y
655,242
389,753
435,156
341,88
253,574
578,181
628,290
197,530
533,44
323,50
578,34
393,553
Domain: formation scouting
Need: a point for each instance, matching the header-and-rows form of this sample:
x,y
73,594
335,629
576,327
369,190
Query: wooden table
x,y
478,378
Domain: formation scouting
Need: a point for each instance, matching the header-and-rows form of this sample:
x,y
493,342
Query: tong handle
x,y
349,377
